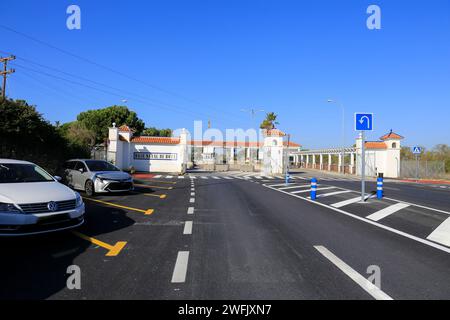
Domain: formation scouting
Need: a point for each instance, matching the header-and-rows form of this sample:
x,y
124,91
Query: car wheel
x,y
89,188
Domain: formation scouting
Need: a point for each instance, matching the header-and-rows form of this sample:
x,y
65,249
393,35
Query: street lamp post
x,y
343,132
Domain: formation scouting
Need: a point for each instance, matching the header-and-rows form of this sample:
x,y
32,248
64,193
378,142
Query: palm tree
x,y
270,121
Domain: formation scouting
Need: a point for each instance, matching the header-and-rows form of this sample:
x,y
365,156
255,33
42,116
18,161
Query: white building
x,y
176,154
382,157
147,154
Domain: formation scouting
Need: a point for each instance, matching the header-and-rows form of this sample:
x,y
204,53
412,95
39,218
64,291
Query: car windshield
x,y
21,173
100,166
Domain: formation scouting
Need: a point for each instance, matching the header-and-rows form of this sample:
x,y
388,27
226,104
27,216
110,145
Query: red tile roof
x,y
274,133
229,144
125,128
376,145
236,144
391,135
156,140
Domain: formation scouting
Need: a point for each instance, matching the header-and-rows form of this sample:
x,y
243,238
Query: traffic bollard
x,y
287,178
313,189
380,188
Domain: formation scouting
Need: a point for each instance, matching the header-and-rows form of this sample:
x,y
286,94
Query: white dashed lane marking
x,y
180,270
188,228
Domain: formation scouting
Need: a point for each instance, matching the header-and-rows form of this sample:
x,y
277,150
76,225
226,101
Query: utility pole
x,y
5,73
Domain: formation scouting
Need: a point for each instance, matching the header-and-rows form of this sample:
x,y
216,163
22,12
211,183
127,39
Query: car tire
x,y
89,188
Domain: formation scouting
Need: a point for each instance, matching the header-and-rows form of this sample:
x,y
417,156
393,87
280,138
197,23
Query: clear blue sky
x,y
225,55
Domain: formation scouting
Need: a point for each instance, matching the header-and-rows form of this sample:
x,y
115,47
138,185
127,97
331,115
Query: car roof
x,y
11,161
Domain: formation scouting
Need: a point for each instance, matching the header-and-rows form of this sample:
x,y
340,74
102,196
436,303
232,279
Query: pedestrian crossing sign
x,y
417,150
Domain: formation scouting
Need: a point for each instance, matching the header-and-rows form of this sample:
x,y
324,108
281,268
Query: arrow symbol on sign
x,y
362,121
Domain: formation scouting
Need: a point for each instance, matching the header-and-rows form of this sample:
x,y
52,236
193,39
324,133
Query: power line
x,y
89,61
171,108
106,86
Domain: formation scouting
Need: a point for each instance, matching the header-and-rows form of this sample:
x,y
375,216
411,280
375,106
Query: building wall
x,y
169,166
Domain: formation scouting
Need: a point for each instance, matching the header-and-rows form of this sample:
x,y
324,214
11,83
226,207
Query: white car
x,y
96,176
33,202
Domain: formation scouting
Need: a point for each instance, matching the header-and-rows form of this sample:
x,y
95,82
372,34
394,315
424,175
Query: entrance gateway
x,y
177,154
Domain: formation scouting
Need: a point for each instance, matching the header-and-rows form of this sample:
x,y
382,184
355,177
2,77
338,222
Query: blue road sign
x,y
417,150
364,121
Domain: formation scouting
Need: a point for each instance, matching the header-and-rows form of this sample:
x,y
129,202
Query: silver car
x,y
96,176
34,202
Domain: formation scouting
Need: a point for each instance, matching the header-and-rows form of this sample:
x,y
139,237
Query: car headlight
x,y
9,208
79,200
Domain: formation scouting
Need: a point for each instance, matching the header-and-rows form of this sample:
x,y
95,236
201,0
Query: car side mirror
x,y
58,178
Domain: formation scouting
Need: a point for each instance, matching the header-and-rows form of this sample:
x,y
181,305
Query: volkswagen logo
x,y
52,206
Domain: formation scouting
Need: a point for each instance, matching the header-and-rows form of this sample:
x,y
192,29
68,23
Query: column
x,y
352,163
321,161
314,161
329,162
307,160
340,163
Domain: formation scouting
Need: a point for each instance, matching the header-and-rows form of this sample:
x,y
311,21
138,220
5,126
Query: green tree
x,y
26,135
154,132
98,121
270,121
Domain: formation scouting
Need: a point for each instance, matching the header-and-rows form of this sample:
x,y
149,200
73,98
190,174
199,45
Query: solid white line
x,y
350,201
377,216
192,200
306,191
187,228
180,270
333,193
368,286
157,177
379,225
279,185
441,234
295,187
190,210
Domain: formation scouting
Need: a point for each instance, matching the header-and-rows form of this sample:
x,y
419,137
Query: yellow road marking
x,y
146,212
151,187
113,251
161,196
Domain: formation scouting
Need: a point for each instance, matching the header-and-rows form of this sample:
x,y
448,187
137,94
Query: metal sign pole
x,y
417,167
363,167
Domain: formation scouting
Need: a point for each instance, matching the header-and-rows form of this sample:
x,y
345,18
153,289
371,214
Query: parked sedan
x,y
34,202
96,176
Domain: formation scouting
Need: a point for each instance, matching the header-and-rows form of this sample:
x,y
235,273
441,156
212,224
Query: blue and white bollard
x,y
313,189
380,188
287,178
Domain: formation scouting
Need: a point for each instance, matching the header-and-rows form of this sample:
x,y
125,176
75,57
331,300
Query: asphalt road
x,y
248,240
